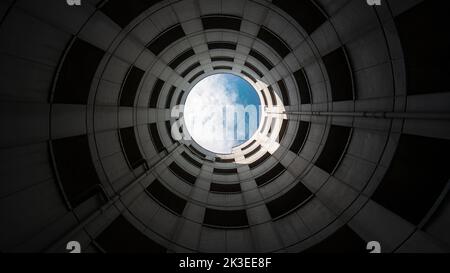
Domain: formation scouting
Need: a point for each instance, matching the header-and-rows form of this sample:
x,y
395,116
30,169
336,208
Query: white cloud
x,y
204,115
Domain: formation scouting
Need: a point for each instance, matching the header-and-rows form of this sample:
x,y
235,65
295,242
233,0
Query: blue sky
x,y
246,93
211,120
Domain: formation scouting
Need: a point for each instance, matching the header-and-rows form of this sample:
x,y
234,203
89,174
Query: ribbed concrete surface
x,y
353,145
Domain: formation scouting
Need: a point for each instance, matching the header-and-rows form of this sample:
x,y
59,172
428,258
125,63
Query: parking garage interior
x,y
352,146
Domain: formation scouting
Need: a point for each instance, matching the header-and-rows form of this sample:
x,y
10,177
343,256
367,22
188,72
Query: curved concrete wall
x,y
352,148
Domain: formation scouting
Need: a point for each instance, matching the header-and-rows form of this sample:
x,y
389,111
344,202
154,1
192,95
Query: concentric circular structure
x,y
352,147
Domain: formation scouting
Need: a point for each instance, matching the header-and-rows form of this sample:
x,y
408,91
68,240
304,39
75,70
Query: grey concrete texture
x,y
382,115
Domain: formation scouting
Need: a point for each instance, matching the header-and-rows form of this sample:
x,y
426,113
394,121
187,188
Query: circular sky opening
x,y
222,111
